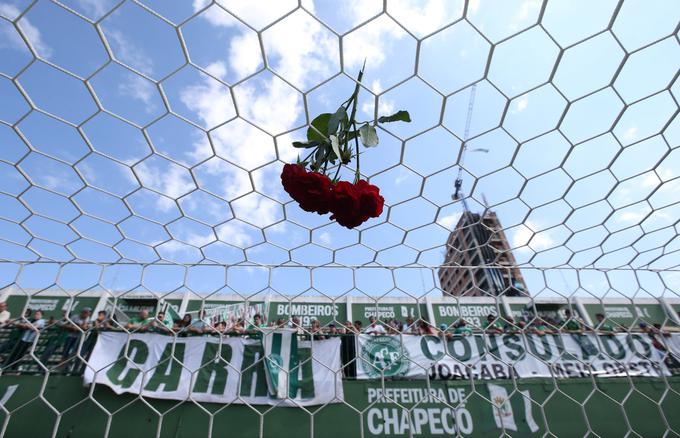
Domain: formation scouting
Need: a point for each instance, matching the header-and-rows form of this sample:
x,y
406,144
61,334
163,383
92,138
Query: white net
x,y
141,147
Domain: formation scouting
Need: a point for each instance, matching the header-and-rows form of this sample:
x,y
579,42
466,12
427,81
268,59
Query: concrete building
x,y
479,261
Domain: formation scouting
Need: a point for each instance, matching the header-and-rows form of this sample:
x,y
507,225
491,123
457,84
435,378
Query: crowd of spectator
x,y
72,337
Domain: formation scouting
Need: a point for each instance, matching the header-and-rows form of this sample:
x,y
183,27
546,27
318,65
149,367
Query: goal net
x,y
522,278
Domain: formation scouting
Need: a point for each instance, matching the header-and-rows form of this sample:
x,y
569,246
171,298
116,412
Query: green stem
x,y
312,153
357,174
337,171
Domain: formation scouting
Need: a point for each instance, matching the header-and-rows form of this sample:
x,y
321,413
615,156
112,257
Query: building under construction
x,y
479,260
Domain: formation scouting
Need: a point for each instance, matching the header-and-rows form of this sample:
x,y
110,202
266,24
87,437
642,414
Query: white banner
x,y
210,369
502,356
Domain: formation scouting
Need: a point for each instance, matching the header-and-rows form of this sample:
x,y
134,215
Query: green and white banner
x,y
226,370
505,356
281,358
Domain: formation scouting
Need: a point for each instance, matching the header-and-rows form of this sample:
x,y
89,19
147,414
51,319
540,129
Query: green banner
x,y
388,311
325,312
473,314
51,305
574,408
630,315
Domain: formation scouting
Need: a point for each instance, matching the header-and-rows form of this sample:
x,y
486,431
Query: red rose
x,y
345,205
311,190
370,200
289,176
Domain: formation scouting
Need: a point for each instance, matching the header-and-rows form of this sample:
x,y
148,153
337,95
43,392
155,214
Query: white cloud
x,y
140,89
257,210
302,50
235,233
171,180
521,103
630,133
371,43
425,17
449,221
526,234
243,144
196,239
34,37
127,52
385,107
325,238
233,182
9,11
244,49
245,55
10,38
271,104
96,8
632,216
262,12
209,99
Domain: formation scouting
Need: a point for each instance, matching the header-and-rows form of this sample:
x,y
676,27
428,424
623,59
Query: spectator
x,y
462,329
315,330
410,327
510,326
653,334
55,336
280,323
182,326
349,327
201,324
255,329
444,332
29,330
74,328
257,323
140,322
238,327
4,314
332,330
392,327
101,323
358,326
540,328
14,335
222,328
373,327
494,325
160,323
426,329
603,326
571,323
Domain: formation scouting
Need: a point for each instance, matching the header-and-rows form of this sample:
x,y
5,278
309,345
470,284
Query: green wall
x,y
568,408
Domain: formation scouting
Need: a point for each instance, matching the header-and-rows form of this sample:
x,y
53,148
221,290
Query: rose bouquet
x,y
334,139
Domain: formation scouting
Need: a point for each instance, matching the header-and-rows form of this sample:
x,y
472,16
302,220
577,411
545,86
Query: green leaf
x,y
399,116
334,122
335,144
319,128
369,136
305,144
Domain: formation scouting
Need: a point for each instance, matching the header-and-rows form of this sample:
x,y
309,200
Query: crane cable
x,y
468,121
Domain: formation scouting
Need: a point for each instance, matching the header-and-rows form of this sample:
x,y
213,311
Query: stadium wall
x,y
571,408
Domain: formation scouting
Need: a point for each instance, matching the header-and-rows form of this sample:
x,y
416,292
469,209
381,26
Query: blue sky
x,y
155,131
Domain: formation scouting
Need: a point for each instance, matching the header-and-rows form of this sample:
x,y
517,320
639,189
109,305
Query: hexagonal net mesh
x,y
533,196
